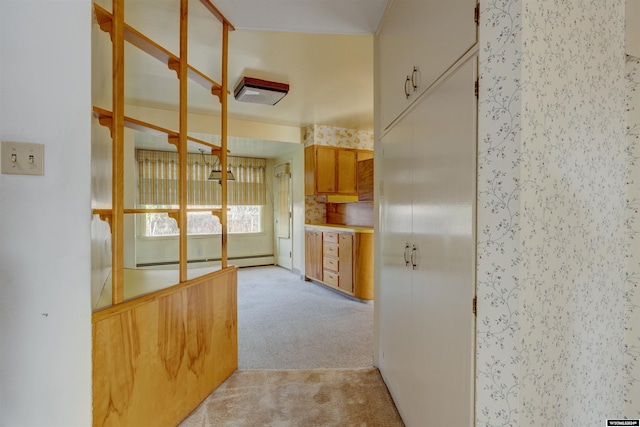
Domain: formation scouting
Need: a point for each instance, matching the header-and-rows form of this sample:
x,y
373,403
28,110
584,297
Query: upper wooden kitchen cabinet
x,y
332,170
418,42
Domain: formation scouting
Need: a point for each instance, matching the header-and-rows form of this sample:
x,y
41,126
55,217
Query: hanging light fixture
x,y
216,175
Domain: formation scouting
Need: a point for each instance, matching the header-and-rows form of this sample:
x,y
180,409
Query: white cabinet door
x,y
396,57
394,298
443,287
418,42
443,31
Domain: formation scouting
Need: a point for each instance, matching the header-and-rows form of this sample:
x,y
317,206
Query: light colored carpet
x,y
298,398
287,323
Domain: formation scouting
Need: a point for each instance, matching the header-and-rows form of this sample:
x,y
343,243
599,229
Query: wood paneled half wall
x,y
155,358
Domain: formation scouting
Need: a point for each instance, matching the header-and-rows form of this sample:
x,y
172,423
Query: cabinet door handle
x,y
414,80
406,259
413,259
407,91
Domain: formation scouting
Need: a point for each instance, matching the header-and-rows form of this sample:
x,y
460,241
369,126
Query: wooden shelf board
x,y
143,211
214,10
153,49
105,116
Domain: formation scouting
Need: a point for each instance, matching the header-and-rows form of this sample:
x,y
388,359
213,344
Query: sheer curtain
x,y
158,179
283,178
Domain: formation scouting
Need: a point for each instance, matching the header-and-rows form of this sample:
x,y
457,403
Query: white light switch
x,y
22,158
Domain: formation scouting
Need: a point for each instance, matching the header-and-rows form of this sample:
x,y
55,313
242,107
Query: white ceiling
x,y
305,16
322,48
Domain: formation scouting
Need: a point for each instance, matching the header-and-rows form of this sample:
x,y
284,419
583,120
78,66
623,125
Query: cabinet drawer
x,y
331,278
330,237
330,264
332,249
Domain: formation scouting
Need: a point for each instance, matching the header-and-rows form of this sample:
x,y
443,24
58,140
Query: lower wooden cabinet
x,y
341,259
313,254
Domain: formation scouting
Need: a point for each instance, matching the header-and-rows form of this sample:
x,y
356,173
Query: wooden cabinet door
x,y
346,262
325,172
346,171
313,254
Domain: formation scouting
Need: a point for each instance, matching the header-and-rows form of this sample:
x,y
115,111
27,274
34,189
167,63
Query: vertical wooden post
x,y
117,131
223,151
182,138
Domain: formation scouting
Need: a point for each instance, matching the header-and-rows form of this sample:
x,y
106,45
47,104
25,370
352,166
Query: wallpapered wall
x,y
632,296
315,212
551,213
498,211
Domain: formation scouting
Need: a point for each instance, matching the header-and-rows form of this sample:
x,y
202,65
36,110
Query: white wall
x,y
45,314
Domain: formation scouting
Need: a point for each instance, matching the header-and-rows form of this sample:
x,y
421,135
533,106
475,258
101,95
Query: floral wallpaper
x,y
632,292
315,211
551,213
498,213
572,213
338,137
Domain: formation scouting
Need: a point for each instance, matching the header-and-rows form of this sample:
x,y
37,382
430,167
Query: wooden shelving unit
x,y
105,118
145,44
115,120
170,346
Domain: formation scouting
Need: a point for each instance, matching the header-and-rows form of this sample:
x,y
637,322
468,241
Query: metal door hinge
x,y
474,307
476,14
476,88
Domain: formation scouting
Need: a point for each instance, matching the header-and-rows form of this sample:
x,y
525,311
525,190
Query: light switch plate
x,y
22,158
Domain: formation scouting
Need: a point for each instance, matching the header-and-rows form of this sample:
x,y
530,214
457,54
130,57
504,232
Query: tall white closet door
x,y
443,287
394,298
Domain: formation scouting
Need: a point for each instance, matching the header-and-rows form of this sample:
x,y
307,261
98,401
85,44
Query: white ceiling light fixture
x,y
260,91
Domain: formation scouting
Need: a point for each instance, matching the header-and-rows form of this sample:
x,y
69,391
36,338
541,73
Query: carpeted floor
x,y
299,398
287,323
305,360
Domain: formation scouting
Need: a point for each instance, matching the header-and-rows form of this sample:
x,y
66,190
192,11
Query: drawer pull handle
x,y
414,80
407,92
406,260
413,260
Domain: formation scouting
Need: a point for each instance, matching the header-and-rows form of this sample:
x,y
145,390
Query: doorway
x,y
283,216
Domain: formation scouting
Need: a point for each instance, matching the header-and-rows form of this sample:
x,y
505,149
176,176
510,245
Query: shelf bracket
x,y
107,122
217,213
175,216
175,140
217,91
174,64
104,21
106,217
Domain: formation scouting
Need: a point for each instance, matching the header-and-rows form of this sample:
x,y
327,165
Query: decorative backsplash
x,y
315,211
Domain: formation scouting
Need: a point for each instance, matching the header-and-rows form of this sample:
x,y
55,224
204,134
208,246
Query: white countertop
x,y
343,228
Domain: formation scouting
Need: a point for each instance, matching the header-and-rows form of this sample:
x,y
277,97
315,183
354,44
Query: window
x,y
240,219
158,189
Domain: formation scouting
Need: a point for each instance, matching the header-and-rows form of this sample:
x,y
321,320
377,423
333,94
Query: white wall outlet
x,y
22,158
